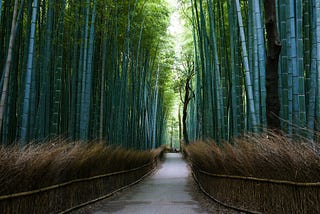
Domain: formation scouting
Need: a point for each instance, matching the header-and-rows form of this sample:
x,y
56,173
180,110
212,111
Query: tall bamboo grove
x,y
257,67
88,69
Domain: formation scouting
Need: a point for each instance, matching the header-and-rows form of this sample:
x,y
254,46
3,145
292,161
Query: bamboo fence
x,y
257,195
65,197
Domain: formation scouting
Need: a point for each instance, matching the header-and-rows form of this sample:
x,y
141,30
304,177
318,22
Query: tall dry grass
x,y
270,156
39,165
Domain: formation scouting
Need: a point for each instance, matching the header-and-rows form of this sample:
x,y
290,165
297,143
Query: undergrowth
x,y
41,165
270,156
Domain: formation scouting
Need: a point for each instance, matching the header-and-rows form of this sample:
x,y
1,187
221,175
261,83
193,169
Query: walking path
x,y
167,191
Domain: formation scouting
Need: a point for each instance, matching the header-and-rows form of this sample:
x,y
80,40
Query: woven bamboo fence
x,y
256,195
65,197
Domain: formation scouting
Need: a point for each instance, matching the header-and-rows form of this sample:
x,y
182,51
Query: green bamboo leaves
x,y
91,72
99,69
250,71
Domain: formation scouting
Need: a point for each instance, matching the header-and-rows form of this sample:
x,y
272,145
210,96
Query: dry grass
x,y
40,165
266,156
263,156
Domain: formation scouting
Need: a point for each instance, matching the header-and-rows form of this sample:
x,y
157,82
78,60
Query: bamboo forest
x,y
91,87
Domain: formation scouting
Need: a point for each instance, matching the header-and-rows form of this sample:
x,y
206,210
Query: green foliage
x,y
230,66
92,72
89,69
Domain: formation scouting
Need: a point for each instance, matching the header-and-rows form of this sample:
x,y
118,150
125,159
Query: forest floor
x,y
170,189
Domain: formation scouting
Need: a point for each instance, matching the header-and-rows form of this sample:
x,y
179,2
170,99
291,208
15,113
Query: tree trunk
x,y
0,10
26,101
179,118
274,49
187,99
102,93
8,63
248,81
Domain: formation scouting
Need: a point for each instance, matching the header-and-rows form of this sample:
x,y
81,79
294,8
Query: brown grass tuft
x,y
40,165
270,156
266,157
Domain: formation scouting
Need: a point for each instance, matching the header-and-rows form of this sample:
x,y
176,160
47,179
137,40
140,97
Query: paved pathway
x,y
167,191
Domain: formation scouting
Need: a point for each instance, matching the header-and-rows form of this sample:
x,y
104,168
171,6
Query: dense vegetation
x,y
269,156
74,71
98,68
256,66
263,173
84,70
56,162
58,176
104,69
255,70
